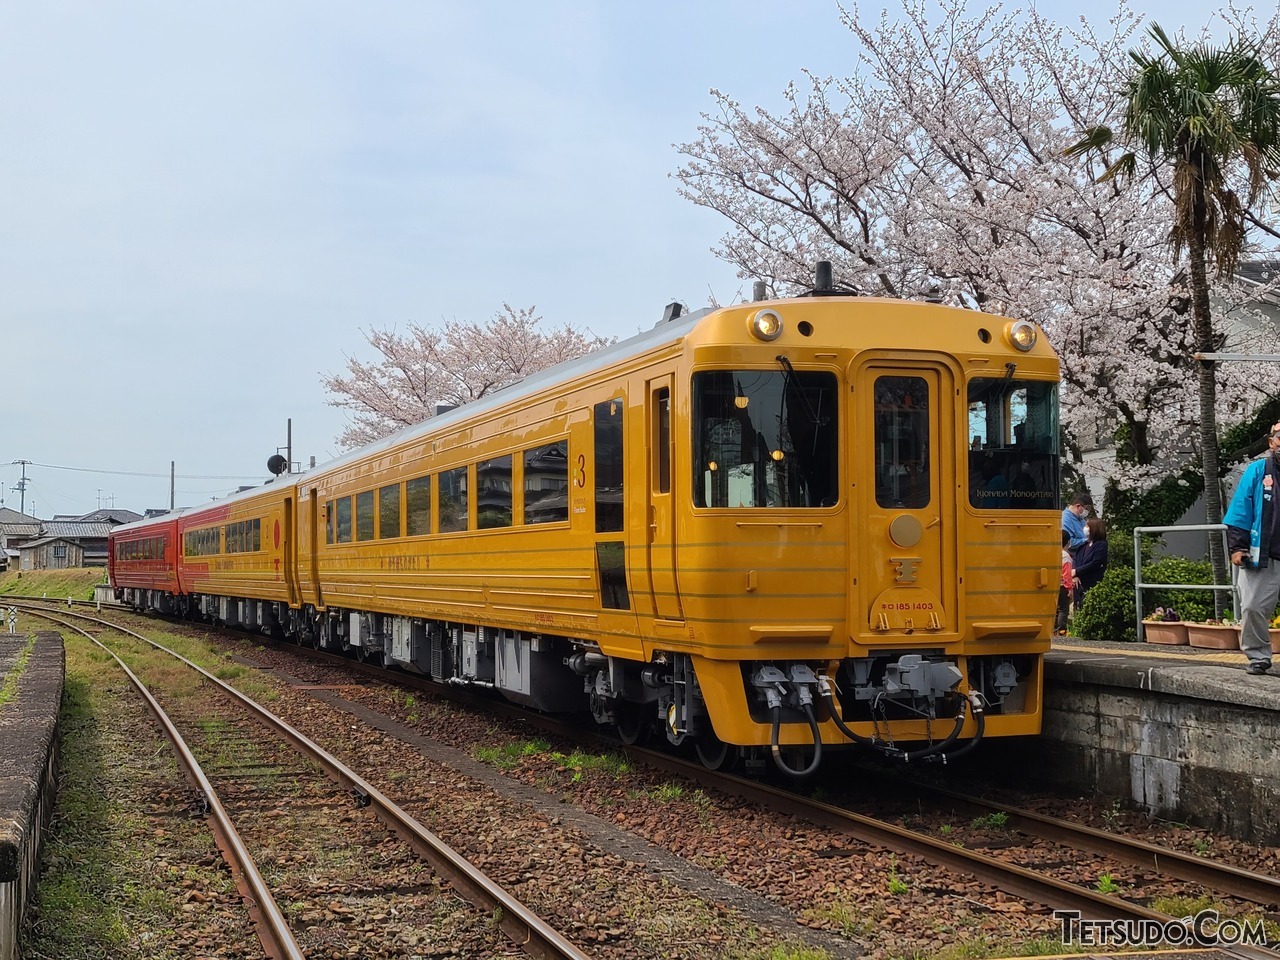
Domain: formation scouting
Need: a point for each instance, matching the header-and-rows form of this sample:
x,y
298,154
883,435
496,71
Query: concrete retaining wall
x,y
1193,743
29,732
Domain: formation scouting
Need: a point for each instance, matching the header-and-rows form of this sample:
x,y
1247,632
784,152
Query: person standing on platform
x,y
1064,590
1254,544
1090,561
1073,518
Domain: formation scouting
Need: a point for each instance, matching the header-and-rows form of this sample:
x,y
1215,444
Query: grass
x,y
112,875
9,689
55,584
991,820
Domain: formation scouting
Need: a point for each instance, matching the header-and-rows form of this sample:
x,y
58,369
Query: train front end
x,y
873,549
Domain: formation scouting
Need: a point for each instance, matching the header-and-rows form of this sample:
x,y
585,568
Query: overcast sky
x,y
203,204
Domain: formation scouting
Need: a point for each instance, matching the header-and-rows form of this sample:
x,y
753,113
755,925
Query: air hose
x,y
817,743
931,751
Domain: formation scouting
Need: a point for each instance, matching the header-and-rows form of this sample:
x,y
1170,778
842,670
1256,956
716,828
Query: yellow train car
x,y
236,565
772,528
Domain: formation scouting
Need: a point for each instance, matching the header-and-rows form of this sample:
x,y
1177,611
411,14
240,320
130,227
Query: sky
x,y
203,205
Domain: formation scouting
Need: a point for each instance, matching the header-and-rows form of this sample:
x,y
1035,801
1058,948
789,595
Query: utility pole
x,y
172,477
22,488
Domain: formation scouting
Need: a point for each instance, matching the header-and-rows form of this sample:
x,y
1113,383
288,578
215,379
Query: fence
x,y
1139,585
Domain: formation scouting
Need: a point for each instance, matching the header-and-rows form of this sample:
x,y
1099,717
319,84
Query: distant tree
x,y
1200,111
455,364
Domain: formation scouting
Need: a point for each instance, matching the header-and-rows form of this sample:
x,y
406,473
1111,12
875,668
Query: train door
x,y
610,505
291,552
316,519
904,530
660,540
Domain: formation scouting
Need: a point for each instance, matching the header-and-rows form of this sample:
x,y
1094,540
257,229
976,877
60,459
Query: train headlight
x,y
1023,335
765,325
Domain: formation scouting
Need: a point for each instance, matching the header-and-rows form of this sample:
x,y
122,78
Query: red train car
x,y
142,563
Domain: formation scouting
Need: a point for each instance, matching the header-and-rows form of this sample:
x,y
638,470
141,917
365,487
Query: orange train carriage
x,y
776,527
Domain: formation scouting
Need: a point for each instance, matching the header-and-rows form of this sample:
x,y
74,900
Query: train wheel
x,y
632,726
714,753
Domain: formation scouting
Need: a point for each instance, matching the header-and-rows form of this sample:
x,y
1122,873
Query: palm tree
x,y
1206,112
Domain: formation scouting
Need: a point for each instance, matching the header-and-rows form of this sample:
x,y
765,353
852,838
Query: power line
x,y
130,473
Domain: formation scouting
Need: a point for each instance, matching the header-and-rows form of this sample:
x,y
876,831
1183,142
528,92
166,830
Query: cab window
x,y
1013,444
765,438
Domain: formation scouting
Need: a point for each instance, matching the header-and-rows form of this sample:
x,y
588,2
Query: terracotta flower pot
x,y
1275,640
1214,636
1165,631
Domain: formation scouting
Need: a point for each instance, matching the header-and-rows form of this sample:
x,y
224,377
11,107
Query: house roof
x,y
1262,273
75,529
13,516
32,544
112,515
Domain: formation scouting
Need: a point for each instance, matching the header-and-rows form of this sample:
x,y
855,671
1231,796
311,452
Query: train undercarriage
x,y
852,701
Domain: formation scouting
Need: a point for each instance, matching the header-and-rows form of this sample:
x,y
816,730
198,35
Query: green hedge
x,y
1190,604
1107,611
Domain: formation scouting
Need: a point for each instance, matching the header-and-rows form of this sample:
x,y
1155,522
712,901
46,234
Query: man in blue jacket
x,y
1073,518
1253,539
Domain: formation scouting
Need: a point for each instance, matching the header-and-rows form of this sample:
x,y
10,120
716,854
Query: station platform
x,y
1181,731
32,672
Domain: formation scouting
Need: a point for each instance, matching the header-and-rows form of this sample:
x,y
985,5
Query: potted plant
x,y
1221,634
1165,626
1274,633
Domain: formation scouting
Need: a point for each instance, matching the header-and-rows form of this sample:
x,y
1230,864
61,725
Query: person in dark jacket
x,y
1090,561
1254,544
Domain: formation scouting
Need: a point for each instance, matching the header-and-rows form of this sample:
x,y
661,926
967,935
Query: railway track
x,y
1029,883
241,749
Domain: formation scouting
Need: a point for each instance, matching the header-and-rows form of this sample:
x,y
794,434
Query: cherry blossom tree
x,y
1200,110
939,168
452,365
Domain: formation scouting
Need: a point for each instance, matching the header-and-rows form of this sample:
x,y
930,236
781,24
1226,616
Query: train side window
x,y
389,511
343,527
329,517
418,507
453,500
493,493
902,442
608,465
257,534
662,439
611,561
364,515
546,484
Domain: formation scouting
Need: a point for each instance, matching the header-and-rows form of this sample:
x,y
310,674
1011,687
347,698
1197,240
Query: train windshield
x,y
765,438
1013,444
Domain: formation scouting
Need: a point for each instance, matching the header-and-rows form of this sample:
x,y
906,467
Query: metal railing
x,y
1139,585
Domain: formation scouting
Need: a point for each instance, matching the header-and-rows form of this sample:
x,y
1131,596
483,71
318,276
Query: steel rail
x,y
1025,883
1221,877
269,922
521,925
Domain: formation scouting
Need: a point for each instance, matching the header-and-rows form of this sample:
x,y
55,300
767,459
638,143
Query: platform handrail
x,y
1139,584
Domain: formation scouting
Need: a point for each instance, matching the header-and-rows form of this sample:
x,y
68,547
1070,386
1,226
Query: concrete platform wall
x,y
1193,743
29,736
